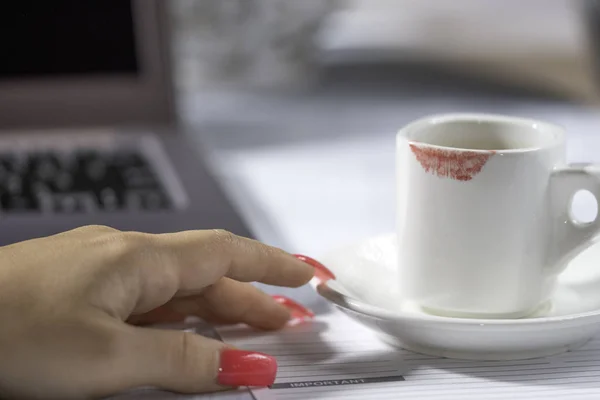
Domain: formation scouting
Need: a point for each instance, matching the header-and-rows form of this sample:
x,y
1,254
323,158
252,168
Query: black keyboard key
x,y
20,204
153,201
108,199
74,203
139,177
45,171
4,199
133,201
67,204
87,202
66,161
45,202
63,182
3,172
126,159
149,200
13,185
5,160
96,169
43,160
38,188
13,163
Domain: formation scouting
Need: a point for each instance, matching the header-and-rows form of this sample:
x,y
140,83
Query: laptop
x,y
88,127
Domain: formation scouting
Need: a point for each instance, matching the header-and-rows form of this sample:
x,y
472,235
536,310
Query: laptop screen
x,y
44,39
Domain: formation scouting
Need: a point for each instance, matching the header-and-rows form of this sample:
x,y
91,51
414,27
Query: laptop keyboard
x,y
81,181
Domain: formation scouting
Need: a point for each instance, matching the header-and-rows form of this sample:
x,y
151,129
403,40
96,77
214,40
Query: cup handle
x,y
570,236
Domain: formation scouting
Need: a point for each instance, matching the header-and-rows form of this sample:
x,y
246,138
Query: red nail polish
x,y
246,368
321,272
298,311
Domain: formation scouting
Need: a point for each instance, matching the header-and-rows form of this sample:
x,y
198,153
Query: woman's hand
x,y
64,301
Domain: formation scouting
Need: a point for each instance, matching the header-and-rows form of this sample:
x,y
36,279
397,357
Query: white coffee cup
x,y
484,217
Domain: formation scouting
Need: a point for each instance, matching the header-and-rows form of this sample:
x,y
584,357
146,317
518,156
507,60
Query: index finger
x,y
203,257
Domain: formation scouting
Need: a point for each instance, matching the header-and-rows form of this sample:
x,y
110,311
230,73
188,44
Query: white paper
x,y
335,358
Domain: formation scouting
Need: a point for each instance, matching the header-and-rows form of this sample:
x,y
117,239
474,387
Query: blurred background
x,y
541,46
293,106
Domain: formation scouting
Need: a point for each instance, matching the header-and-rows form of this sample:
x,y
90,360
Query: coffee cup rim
x,y
557,132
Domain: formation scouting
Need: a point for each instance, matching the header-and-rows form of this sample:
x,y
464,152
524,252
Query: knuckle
x,y
270,252
190,361
183,353
95,229
122,245
143,257
224,238
135,240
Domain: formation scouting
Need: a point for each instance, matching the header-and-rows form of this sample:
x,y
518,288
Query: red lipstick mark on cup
x,y
460,165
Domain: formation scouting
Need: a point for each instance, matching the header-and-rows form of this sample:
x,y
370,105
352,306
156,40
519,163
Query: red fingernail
x,y
298,311
246,368
322,274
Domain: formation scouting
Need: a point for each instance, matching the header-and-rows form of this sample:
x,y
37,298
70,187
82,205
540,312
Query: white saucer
x,y
366,289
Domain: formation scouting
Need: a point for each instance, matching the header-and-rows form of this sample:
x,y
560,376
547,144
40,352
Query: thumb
x,y
190,363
